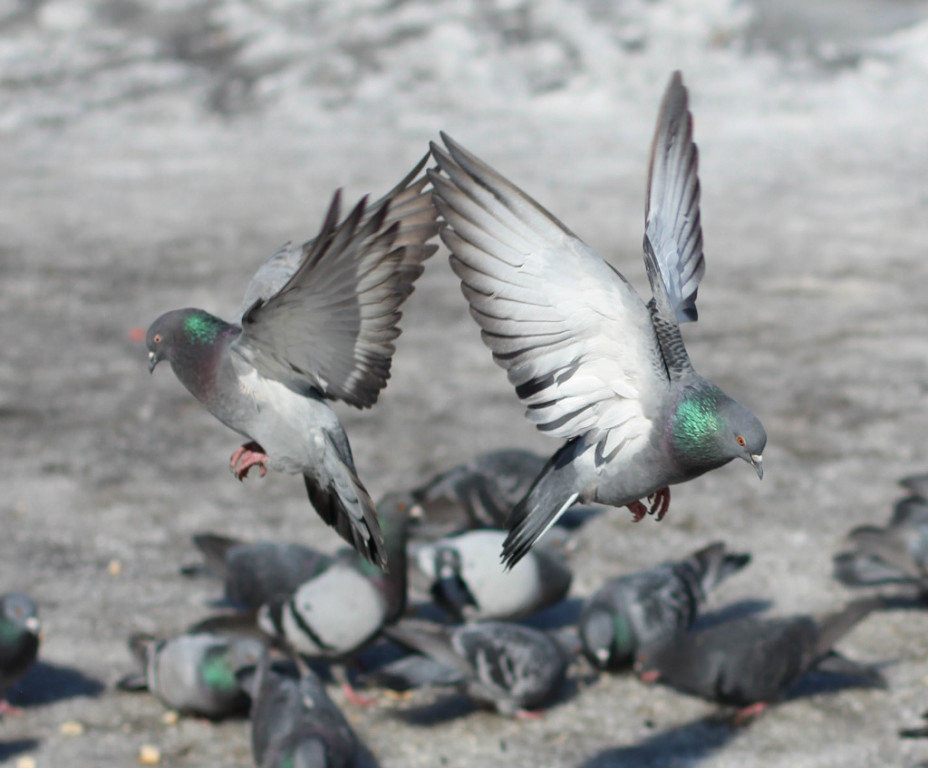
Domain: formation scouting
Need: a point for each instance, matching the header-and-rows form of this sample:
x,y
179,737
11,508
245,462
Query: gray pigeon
x,y
897,552
194,673
593,363
335,614
294,723
508,666
318,322
467,579
479,493
261,572
639,609
19,641
751,662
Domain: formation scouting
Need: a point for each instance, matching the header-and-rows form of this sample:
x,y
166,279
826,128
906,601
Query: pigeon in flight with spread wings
x,y
318,322
592,362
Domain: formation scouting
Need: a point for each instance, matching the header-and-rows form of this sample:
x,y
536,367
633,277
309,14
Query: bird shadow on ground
x,y
9,749
679,747
46,683
565,613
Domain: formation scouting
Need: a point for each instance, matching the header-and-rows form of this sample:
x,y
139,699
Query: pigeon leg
x,y
660,502
525,714
247,456
9,710
638,510
356,698
748,713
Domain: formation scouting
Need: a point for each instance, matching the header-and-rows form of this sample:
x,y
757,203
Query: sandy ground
x,y
812,312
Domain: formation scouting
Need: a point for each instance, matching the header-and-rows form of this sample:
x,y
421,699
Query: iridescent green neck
x,y
696,423
218,675
203,328
624,641
9,631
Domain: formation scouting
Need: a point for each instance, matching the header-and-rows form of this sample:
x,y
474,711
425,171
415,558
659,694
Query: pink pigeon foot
x,y
247,456
660,502
356,698
745,715
7,709
525,714
638,510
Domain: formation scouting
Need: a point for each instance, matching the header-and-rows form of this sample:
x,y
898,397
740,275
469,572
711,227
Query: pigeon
x,y
194,673
639,609
917,485
752,662
19,641
592,362
318,322
468,581
479,493
260,572
294,723
897,552
337,613
511,667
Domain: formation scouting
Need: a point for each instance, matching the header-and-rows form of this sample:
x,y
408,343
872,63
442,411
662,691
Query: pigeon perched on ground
x,y
294,723
468,580
260,572
593,363
751,662
508,666
194,673
19,641
335,614
641,608
897,552
318,322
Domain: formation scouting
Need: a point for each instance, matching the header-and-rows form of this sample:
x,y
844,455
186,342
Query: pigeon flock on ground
x,y
438,577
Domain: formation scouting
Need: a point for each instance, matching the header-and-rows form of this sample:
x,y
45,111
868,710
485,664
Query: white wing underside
x,y
576,340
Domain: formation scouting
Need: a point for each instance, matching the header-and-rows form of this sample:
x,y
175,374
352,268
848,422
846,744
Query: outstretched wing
x,y
576,340
330,324
672,228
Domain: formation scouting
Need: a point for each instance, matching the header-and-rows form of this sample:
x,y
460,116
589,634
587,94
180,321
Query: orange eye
x,y
156,338
740,440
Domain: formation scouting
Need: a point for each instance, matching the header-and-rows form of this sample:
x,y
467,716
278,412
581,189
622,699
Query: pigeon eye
x,y
740,440
156,338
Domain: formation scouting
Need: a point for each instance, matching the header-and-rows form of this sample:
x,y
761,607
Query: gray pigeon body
x,y
752,660
593,363
335,614
260,572
508,666
195,673
19,637
294,723
318,322
468,580
896,552
640,609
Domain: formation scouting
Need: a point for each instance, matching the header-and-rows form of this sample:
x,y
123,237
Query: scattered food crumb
x,y
149,755
25,762
114,567
71,728
170,717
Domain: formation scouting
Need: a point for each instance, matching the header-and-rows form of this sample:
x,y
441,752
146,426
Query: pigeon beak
x,y
758,461
152,361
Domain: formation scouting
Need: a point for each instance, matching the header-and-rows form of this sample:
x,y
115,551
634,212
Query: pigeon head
x,y
18,617
220,667
183,333
708,429
608,639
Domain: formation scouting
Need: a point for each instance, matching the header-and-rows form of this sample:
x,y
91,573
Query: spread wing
x,y
576,340
326,321
672,228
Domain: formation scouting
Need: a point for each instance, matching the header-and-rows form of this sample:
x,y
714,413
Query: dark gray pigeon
x,y
467,579
335,614
752,662
261,572
194,673
897,552
592,362
511,667
641,608
19,641
479,493
317,323
294,723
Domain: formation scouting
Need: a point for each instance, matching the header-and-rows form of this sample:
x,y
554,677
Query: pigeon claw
x,y
638,510
247,456
660,502
747,714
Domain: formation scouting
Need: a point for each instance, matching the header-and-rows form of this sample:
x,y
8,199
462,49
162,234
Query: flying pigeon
x,y
317,323
592,362
194,673
260,572
295,723
639,609
19,642
751,662
511,667
467,579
